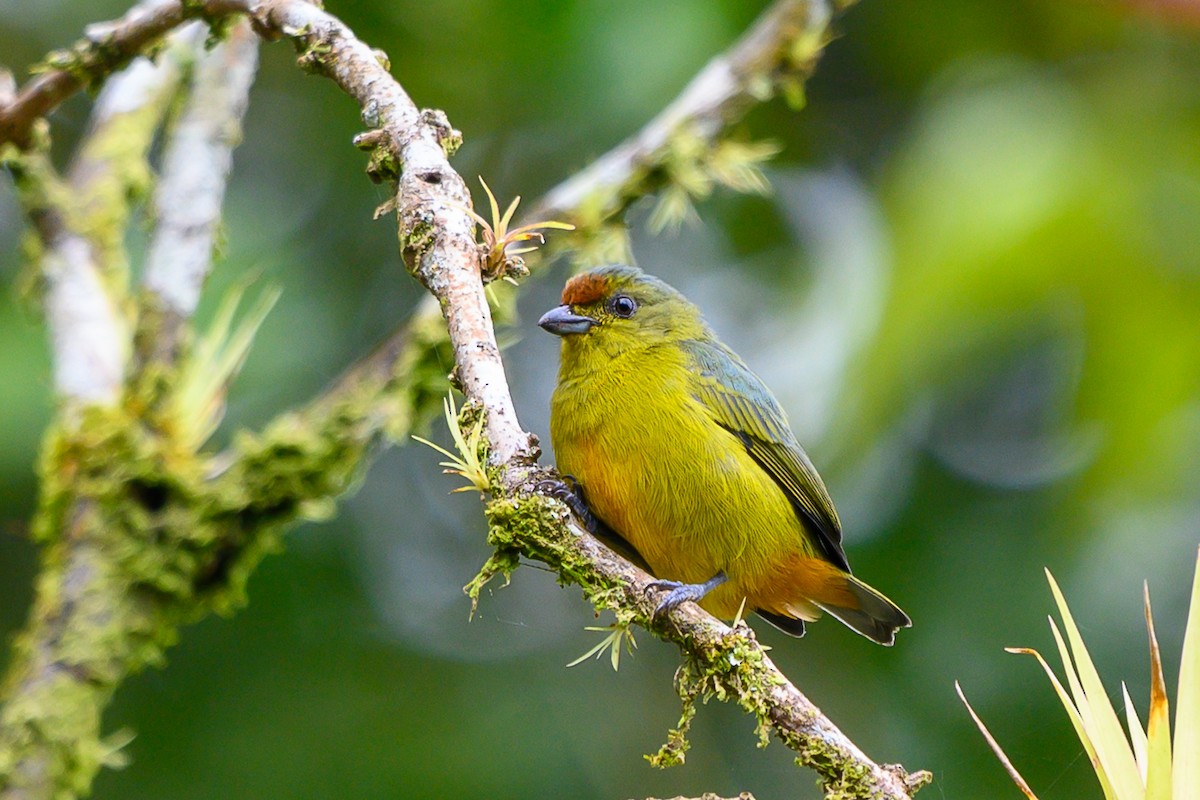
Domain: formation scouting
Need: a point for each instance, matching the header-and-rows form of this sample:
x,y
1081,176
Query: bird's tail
x,y
868,612
807,586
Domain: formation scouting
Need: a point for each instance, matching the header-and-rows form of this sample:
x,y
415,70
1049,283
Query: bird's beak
x,y
560,321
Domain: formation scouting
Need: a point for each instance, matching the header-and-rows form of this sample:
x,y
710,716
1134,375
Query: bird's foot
x,y
682,592
568,492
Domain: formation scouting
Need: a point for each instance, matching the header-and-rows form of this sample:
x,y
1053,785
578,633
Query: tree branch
x,y
437,237
776,55
191,188
105,48
81,225
440,250
68,660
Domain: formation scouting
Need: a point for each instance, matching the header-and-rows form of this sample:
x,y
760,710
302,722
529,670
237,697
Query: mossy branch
x,y
141,537
719,661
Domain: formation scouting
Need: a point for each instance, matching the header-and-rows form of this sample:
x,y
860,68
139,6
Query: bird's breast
x,y
657,468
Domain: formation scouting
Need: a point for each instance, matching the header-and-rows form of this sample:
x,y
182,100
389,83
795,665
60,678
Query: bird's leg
x,y
568,491
682,592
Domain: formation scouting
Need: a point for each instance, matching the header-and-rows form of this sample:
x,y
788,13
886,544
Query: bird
x,y
666,438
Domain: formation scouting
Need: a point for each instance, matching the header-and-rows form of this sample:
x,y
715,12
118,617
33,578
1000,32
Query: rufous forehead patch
x,y
584,289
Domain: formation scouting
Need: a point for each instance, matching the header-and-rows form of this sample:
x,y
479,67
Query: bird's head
x,y
616,309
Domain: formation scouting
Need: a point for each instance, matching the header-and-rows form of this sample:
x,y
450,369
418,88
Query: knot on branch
x,y
314,52
449,137
418,230
384,162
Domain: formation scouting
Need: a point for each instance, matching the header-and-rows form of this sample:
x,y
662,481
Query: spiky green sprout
x,y
618,632
469,462
501,258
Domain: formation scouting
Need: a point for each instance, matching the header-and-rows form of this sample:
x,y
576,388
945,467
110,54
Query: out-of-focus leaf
x,y
206,375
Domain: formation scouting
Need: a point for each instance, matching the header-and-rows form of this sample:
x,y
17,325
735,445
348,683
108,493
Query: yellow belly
x,y
687,495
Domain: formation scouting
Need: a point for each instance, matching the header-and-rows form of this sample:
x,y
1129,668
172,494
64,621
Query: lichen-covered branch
x,y
81,221
191,186
442,253
719,661
141,537
85,628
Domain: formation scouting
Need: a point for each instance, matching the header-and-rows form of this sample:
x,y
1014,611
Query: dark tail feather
x,y
876,617
789,625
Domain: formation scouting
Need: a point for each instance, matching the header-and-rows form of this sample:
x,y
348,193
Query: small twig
x,y
191,187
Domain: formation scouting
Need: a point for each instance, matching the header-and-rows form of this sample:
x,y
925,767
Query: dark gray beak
x,y
560,321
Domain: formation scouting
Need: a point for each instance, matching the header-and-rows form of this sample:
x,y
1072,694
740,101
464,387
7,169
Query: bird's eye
x,y
623,306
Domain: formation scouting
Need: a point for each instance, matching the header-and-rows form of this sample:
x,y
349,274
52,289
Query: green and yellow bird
x,y
683,452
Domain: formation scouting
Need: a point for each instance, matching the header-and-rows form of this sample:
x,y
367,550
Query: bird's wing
x,y
742,404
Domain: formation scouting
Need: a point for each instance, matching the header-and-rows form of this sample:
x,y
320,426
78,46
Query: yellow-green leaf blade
x,y
1077,722
1082,711
1187,701
1137,735
1112,747
1158,725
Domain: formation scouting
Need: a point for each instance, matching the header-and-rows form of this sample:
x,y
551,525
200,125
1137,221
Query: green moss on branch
x,y
140,536
723,663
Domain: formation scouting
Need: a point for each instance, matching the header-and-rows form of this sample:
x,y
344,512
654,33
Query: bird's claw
x,y
568,492
679,593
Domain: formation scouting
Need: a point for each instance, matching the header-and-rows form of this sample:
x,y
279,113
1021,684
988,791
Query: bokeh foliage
x,y
974,288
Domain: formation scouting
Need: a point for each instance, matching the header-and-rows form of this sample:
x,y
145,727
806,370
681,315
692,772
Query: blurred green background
x,y
975,289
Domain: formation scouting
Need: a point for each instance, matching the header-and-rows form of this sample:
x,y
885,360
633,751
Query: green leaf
x,y
1137,734
216,359
1187,709
1104,728
1157,777
1072,713
1082,725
